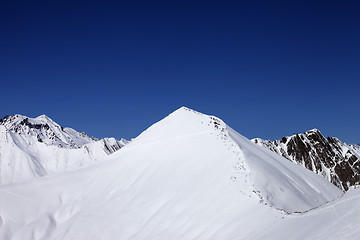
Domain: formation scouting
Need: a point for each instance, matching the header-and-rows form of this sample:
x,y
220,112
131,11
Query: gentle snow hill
x,y
36,147
189,176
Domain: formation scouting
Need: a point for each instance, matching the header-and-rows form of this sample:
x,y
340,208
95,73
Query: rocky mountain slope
x,y
336,161
35,147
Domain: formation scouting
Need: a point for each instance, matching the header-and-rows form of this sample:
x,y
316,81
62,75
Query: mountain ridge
x,y
190,123
336,161
36,147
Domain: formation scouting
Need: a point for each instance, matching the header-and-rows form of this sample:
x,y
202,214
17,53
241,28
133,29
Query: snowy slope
x,y
338,162
337,220
36,147
25,158
282,184
188,176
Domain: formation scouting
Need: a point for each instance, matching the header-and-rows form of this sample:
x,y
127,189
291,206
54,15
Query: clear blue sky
x,y
267,68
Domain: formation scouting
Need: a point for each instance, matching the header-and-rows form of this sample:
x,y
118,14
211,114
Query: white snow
x,y
24,157
47,130
283,184
339,219
189,176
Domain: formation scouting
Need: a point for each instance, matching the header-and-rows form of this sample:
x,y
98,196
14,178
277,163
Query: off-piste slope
x,y
336,220
189,176
276,181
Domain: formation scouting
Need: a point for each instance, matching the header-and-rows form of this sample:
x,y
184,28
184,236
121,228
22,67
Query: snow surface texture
x,y
36,147
188,176
336,161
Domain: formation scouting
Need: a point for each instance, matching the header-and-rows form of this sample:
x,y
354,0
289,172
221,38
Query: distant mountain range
x,y
35,147
38,146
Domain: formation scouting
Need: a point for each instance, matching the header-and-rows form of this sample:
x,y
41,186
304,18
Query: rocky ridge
x,y
335,160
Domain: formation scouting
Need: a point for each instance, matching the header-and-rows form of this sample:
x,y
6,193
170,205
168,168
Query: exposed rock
x,y
329,157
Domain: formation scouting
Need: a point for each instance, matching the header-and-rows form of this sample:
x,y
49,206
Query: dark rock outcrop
x,y
329,157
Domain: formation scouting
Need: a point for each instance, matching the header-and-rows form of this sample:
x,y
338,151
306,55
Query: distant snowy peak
x,y
112,145
46,130
37,147
338,162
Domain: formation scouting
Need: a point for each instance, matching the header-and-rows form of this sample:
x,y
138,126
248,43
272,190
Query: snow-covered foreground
x,y
188,176
339,219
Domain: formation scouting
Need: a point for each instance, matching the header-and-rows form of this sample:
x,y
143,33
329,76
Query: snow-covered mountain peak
x,y
182,122
313,130
184,112
36,147
44,118
7,120
311,134
111,145
188,134
45,130
16,123
183,108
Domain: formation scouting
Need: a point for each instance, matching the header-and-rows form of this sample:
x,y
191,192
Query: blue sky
x,y
267,68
